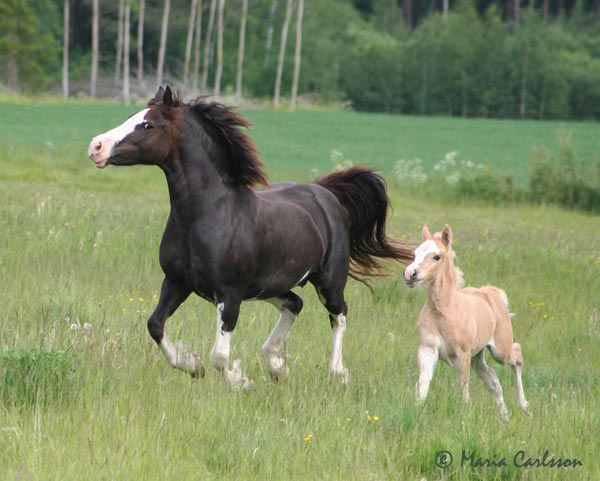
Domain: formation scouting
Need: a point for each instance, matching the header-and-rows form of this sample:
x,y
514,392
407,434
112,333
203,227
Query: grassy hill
x,y
80,276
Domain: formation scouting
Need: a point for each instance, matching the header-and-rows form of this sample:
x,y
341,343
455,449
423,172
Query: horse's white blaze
x,y
101,146
336,366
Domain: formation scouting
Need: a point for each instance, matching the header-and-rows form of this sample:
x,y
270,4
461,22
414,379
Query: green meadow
x,y
79,276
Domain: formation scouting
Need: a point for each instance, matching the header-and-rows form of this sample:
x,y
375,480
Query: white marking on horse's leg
x,y
491,381
274,344
219,355
336,366
179,357
427,358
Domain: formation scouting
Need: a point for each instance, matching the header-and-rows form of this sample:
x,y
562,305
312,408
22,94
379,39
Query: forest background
x,y
485,58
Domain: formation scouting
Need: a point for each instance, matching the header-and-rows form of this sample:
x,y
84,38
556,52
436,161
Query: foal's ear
x,y
425,233
447,236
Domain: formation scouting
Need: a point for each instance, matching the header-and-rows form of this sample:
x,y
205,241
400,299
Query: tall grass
x,y
80,275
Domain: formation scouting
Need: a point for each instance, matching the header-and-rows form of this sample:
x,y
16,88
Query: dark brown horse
x,y
229,243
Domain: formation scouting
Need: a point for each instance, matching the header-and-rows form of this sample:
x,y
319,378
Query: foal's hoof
x,y
281,375
342,376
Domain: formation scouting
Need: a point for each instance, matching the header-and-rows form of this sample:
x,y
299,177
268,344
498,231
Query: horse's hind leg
x,y
517,368
171,297
333,300
491,381
289,306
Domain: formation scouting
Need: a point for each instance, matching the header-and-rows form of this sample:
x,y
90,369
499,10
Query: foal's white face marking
x,y
426,248
101,146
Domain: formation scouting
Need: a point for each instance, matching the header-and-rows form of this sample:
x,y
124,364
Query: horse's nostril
x,y
413,274
98,146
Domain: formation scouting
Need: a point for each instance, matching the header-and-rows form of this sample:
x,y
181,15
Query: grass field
x,y
79,273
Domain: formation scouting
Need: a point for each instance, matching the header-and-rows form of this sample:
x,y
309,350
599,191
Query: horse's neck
x,y
442,291
197,191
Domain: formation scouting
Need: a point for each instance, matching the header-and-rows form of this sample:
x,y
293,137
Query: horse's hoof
x,y
278,376
199,371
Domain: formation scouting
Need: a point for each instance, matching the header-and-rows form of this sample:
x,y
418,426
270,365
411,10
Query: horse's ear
x,y
447,236
159,94
425,233
168,97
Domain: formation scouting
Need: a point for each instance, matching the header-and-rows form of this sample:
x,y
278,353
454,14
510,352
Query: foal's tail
x,y
362,194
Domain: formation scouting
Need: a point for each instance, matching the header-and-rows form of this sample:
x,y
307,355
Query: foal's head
x,y
168,130
430,257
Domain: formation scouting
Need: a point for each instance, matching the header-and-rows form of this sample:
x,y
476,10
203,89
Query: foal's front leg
x,y
171,297
427,357
227,315
463,368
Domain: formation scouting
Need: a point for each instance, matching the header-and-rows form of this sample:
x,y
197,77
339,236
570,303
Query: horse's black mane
x,y
246,166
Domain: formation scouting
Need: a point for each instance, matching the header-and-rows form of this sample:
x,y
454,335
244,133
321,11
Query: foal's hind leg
x,y
171,297
289,306
490,379
517,368
510,353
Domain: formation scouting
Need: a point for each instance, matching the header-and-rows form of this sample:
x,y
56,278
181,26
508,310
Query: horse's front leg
x,y
227,316
171,297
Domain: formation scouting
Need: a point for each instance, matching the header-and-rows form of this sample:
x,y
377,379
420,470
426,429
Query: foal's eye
x,y
436,258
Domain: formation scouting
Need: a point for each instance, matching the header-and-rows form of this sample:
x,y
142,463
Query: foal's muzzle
x,y
411,277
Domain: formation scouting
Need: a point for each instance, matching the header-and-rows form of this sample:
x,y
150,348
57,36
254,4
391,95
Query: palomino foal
x,y
457,324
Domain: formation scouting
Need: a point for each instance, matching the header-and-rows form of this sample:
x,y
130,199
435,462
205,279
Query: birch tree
x,y
219,71
163,41
66,35
207,44
270,28
95,46
119,41
126,42
140,43
197,40
298,52
188,42
284,32
241,48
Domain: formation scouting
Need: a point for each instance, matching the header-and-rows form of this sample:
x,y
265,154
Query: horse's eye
x,y
436,258
147,125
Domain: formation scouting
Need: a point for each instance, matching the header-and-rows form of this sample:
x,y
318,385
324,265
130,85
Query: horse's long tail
x,y
363,196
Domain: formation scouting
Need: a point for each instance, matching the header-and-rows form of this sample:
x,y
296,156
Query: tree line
x,y
510,58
